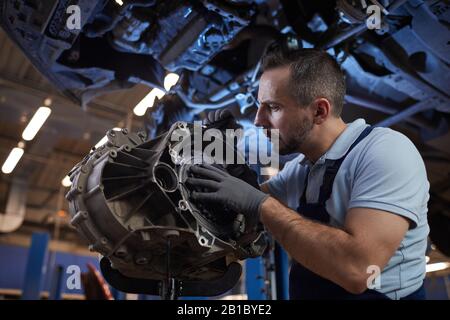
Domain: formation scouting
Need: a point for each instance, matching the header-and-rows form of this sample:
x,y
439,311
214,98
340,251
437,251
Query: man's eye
x,y
273,107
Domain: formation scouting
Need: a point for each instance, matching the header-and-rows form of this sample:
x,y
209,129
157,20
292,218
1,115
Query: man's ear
x,y
322,110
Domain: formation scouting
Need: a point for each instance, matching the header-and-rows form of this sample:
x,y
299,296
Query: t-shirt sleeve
x,y
391,176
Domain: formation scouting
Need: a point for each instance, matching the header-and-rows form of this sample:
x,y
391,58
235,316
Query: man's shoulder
x,y
385,140
389,134
389,148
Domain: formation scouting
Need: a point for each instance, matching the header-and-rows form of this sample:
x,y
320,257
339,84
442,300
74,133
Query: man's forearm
x,y
329,252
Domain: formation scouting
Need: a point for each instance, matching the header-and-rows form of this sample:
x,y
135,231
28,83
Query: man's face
x,y
279,110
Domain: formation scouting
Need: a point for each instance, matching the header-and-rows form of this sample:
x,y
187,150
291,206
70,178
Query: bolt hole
x,y
203,241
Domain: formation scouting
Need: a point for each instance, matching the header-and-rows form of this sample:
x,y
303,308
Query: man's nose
x,y
260,118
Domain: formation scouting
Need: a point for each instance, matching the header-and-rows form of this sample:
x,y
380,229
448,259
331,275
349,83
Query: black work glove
x,y
226,190
221,119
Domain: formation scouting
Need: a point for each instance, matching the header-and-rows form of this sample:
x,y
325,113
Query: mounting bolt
x,y
182,204
121,252
142,135
141,260
171,234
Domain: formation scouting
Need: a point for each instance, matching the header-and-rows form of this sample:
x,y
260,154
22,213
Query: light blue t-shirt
x,y
384,171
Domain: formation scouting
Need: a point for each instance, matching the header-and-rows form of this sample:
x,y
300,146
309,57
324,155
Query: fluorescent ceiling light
x,y
170,80
36,123
66,182
148,101
119,2
105,139
437,266
12,160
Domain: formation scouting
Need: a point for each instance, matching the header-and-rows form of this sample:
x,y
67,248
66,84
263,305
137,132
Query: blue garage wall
x,y
436,288
13,261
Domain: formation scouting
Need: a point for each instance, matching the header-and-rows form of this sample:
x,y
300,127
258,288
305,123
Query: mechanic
x,y
353,201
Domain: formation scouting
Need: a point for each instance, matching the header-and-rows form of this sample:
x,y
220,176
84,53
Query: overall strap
x,y
331,171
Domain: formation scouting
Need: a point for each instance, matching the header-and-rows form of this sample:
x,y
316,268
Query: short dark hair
x,y
313,73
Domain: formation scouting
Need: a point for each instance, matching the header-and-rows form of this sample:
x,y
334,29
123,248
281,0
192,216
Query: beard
x,y
294,138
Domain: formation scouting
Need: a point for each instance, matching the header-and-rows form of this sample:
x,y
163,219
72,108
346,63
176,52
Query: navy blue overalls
x,y
305,284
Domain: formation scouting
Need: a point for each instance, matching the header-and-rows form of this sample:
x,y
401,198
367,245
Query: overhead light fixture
x,y
119,2
12,160
61,213
432,267
105,139
66,182
170,80
36,123
148,101
48,102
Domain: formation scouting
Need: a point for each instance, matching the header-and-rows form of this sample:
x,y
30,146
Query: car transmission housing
x,y
128,199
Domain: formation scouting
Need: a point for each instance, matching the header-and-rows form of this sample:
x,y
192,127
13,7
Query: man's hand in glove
x,y
226,190
221,119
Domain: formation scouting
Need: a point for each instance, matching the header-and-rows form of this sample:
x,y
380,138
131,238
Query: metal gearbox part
x,y
128,198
